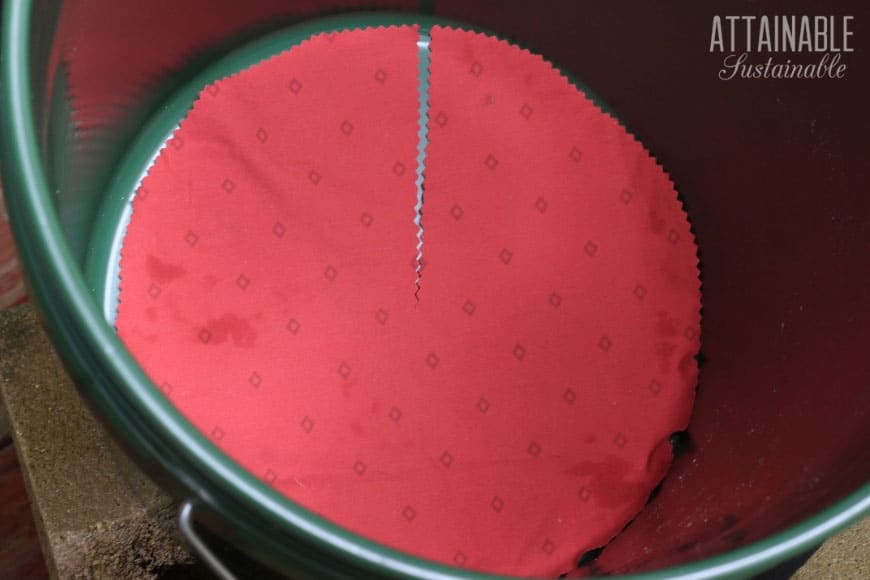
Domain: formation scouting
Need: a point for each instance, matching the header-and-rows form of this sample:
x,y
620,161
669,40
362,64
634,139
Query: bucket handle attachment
x,y
198,545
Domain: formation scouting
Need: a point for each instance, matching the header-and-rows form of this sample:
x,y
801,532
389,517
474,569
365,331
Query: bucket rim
x,y
160,437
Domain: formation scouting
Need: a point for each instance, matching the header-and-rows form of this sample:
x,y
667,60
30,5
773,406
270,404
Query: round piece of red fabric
x,y
506,410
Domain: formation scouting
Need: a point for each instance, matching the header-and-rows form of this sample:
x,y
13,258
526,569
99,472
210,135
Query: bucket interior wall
x,y
773,176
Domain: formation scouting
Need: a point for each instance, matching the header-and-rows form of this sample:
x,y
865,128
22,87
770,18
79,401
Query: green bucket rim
x,y
160,437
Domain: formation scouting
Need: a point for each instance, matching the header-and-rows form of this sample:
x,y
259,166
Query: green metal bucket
x,y
778,457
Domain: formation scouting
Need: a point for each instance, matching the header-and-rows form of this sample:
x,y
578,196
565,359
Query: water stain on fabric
x,y
606,480
229,326
664,352
163,272
657,224
665,325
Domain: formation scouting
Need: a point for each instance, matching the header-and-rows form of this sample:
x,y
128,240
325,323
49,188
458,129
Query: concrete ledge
x,y
97,514
846,556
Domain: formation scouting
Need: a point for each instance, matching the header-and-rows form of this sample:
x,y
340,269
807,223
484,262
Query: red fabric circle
x,y
513,414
